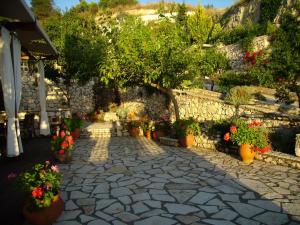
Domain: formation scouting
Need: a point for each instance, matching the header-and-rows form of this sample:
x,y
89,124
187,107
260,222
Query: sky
x,y
63,4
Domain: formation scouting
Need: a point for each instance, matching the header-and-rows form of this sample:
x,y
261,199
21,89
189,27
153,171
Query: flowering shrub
x,y
249,133
163,123
40,185
62,143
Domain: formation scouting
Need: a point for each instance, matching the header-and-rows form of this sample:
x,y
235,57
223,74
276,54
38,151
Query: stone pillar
x,y
297,145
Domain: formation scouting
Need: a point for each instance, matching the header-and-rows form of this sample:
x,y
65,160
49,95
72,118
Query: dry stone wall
x,y
81,97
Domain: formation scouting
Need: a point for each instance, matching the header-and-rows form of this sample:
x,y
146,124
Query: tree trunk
x,y
169,92
298,96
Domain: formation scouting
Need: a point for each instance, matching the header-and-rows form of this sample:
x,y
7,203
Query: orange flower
x,y
70,140
226,137
263,150
64,145
256,123
233,129
37,192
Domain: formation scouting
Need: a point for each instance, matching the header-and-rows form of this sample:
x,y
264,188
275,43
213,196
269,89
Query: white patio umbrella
x,y
10,91
44,122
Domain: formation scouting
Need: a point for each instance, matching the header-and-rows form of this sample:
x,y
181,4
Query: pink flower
x,y
55,168
47,162
62,134
61,152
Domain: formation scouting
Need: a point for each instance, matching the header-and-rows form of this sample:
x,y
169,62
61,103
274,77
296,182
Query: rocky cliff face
x,y
241,13
255,10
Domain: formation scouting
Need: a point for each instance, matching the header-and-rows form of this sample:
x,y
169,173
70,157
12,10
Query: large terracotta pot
x,y
76,133
134,131
247,153
65,158
187,141
44,216
148,135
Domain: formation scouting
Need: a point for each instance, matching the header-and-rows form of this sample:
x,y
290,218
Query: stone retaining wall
x,y
81,97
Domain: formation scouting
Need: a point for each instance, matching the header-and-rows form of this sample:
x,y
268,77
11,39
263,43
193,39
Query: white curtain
x,y
44,123
18,84
7,76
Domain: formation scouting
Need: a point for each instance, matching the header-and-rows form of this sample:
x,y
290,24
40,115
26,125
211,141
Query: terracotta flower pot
x,y
65,158
134,131
76,133
247,153
187,141
148,135
44,216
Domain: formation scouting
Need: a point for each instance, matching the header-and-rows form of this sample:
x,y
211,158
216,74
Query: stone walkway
x,y
124,180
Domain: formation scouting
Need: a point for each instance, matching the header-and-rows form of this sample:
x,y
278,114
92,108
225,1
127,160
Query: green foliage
x,y
122,112
115,3
249,133
238,96
200,26
269,10
143,54
230,79
73,123
243,34
76,37
147,125
43,9
40,185
184,127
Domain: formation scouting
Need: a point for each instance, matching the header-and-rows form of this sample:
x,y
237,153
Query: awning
x,y
17,17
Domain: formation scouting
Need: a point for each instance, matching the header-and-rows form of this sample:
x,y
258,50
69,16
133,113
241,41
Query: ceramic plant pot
x,y
134,131
187,141
44,216
247,153
65,158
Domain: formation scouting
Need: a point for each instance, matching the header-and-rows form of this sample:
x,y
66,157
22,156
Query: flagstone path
x,y
124,180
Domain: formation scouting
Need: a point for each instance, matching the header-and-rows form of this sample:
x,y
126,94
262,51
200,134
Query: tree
x,y
43,8
148,55
115,3
80,44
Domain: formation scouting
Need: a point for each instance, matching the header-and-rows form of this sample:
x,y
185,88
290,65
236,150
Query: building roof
x,y
17,17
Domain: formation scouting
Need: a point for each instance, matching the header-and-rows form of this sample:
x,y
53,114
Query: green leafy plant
x,y
73,123
163,123
122,112
238,96
184,127
62,143
249,133
147,125
40,185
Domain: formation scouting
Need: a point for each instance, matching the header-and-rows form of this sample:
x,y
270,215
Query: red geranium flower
x,y
248,54
37,192
254,55
61,152
64,145
62,134
226,137
250,125
233,129
263,150
256,123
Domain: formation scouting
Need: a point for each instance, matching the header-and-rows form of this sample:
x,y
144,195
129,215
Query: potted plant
x,y
185,130
73,125
147,126
62,146
134,128
41,186
162,126
122,113
250,137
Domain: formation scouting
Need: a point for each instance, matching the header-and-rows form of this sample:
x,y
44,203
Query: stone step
x,y
95,130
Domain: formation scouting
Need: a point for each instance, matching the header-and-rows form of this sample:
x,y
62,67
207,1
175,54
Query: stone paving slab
x,y
124,180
